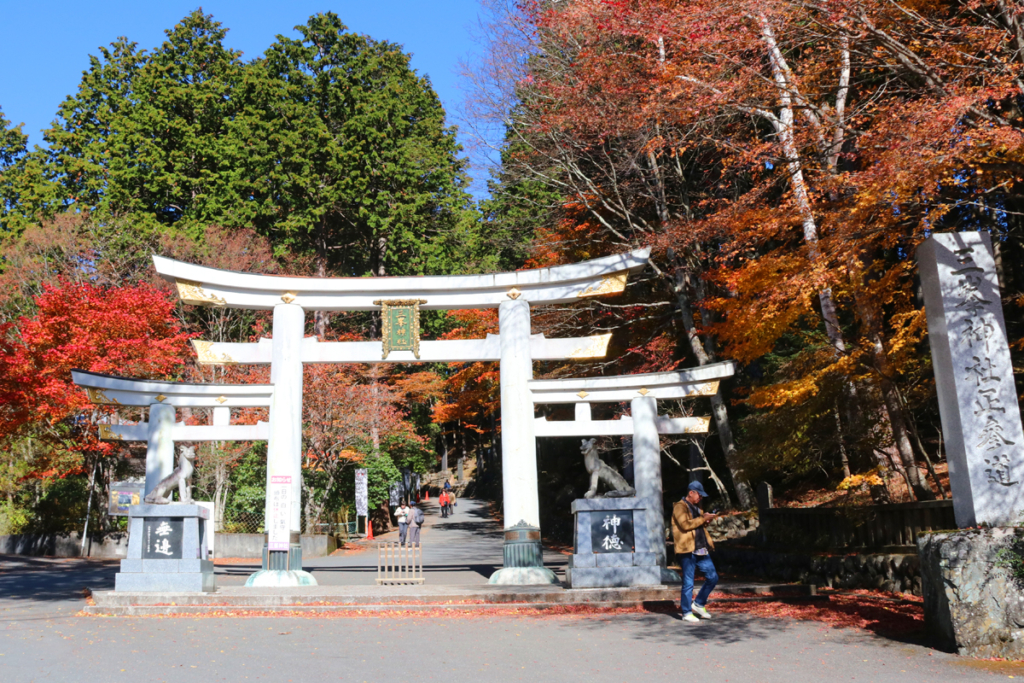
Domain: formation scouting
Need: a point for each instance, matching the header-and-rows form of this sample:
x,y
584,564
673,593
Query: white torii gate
x,y
162,398
515,348
644,424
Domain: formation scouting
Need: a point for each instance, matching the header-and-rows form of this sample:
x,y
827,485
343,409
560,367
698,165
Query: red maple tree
x,y
128,331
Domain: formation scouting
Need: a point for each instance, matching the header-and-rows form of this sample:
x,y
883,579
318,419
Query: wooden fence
x,y
399,563
874,527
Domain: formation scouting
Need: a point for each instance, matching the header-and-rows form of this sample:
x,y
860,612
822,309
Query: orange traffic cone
x,y
369,530
428,494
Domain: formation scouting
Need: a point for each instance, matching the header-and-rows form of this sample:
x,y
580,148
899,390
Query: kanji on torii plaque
x,y
400,325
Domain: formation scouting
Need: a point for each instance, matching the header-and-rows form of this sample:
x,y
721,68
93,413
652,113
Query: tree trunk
x,y
732,460
374,429
783,124
844,461
893,405
88,509
461,437
321,318
444,453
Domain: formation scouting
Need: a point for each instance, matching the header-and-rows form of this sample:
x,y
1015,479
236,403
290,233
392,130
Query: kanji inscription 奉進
x,y
162,537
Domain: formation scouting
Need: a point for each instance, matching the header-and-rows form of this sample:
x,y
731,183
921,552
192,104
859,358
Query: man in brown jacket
x,y
692,546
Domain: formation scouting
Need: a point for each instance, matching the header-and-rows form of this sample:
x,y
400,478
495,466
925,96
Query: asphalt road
x,y
649,648
41,639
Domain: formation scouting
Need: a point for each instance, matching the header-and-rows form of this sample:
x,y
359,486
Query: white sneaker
x,y
690,618
701,611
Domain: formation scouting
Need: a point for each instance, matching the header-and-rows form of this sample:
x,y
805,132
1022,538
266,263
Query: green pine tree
x,y
145,133
343,154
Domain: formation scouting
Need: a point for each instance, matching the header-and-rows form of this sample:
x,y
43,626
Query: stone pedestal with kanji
x,y
167,550
614,544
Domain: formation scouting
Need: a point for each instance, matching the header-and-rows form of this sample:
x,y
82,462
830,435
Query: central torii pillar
x,y
523,553
284,448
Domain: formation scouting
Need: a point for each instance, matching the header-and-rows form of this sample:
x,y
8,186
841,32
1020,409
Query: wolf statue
x,y
180,477
600,471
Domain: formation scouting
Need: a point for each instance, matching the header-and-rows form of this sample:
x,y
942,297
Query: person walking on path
x,y
692,545
443,501
402,517
451,502
416,520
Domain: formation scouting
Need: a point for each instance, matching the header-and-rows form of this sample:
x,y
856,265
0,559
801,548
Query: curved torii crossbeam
x,y
205,286
161,432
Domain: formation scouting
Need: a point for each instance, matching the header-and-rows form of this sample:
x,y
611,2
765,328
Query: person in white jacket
x,y
402,514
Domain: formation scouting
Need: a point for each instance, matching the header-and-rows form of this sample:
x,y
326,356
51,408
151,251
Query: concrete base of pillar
x,y
279,578
524,576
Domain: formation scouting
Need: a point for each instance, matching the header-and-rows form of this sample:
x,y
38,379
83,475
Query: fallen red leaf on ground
x,y
875,611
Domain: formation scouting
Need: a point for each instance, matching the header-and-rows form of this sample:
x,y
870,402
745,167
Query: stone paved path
x,y
464,549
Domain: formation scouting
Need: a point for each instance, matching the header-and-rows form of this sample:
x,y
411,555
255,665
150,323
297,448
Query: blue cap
x,y
699,488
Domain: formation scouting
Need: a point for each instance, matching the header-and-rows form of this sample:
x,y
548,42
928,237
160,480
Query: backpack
x,y
418,517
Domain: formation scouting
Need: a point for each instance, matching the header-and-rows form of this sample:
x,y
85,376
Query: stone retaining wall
x,y
112,546
251,545
896,572
973,603
740,550
115,545
729,527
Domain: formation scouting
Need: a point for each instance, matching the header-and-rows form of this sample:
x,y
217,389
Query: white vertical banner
x,y
279,506
362,494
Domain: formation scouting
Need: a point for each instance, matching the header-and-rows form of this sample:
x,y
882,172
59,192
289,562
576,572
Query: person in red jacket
x,y
443,501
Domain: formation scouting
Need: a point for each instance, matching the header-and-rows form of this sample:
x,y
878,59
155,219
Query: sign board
x,y
162,538
394,494
279,508
611,531
362,494
123,494
400,320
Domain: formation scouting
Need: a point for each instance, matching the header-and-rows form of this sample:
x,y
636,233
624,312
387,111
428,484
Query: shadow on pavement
x,y
661,623
53,579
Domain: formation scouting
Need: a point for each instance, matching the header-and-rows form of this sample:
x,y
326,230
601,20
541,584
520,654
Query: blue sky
x,y
42,61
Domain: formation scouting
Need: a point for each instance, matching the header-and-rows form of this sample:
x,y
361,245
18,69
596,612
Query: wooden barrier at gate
x,y
399,563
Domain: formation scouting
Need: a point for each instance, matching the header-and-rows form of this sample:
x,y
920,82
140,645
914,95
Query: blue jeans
x,y
402,529
689,563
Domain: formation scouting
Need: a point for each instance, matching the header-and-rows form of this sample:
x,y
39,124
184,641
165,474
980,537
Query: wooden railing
x,y
399,563
873,527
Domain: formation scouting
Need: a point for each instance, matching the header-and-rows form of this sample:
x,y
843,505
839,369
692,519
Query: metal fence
x,y
872,527
236,522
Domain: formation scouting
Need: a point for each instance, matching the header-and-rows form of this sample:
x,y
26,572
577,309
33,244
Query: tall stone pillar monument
x,y
981,420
